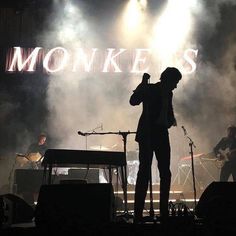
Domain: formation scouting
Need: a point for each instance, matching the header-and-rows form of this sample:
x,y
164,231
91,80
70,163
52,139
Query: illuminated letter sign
x,y
138,60
110,59
81,55
17,61
58,59
60,63
190,61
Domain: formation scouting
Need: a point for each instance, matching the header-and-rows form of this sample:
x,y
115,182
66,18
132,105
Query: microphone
x,y
185,132
146,77
81,133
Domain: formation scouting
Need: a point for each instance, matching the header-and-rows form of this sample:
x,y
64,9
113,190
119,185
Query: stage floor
x,y
173,226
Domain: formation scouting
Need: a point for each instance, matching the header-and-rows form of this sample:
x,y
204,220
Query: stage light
x,y
143,3
134,15
70,23
172,29
70,8
66,34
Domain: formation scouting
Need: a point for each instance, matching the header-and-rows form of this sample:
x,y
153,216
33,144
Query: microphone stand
x,y
91,131
151,207
124,182
191,145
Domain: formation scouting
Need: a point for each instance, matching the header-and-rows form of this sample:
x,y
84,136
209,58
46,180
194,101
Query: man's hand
x,y
145,79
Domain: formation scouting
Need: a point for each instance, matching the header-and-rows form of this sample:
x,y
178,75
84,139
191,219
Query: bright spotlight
x,y
143,3
68,17
66,34
69,8
172,28
134,14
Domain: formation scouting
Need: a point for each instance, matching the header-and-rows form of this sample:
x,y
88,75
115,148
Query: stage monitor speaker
x,y
28,180
75,204
16,210
218,201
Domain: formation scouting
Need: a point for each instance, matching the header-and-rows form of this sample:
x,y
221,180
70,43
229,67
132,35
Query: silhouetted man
x,y
152,135
225,151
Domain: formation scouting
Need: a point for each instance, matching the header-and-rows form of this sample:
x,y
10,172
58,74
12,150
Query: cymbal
x,y
20,154
34,156
101,148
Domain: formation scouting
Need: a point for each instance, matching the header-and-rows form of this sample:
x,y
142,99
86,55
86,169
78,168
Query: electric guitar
x,y
225,156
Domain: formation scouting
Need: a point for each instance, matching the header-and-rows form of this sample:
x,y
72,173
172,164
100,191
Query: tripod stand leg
x,y
124,186
177,176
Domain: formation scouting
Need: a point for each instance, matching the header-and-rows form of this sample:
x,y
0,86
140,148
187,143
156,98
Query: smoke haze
x,y
204,102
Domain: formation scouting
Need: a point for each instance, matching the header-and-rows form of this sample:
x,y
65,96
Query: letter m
x,y
18,63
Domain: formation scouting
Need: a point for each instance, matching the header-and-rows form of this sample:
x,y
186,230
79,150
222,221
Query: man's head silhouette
x,y
170,77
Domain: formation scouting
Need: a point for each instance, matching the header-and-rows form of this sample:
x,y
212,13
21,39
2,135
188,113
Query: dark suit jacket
x,y
150,96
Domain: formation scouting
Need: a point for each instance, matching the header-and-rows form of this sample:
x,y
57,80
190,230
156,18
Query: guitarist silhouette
x,y
225,152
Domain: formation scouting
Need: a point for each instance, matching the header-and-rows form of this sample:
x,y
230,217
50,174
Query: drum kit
x,y
31,160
